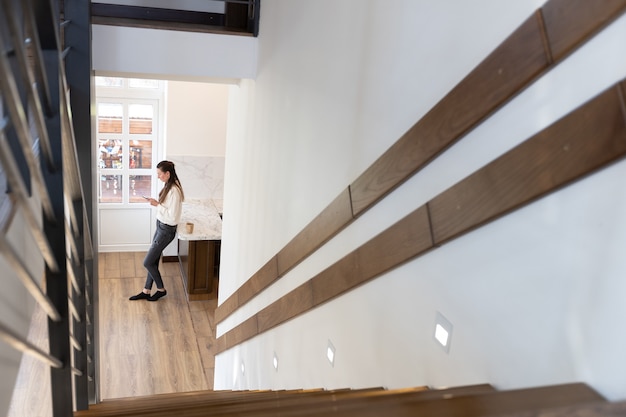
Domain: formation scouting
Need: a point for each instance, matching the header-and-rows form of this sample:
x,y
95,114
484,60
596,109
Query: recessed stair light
x,y
330,353
443,332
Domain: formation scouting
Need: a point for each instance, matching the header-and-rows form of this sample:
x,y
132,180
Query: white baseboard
x,y
123,248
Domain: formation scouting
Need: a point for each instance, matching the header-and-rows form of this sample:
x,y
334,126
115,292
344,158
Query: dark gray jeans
x,y
162,237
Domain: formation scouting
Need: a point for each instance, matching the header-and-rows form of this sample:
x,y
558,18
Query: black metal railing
x,y
39,162
236,16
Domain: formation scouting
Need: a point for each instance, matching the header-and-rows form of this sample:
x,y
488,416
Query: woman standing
x,y
169,208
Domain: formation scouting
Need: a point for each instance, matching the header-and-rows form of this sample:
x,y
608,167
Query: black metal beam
x,y
92,342
56,282
80,80
156,14
256,13
47,19
81,382
239,17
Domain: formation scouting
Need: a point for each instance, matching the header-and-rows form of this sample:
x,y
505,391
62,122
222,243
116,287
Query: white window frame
x,y
130,95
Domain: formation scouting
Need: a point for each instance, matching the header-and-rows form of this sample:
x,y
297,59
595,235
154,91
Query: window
x,y
127,139
109,82
141,83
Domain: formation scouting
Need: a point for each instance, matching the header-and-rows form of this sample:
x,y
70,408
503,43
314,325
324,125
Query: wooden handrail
x,y
538,45
569,149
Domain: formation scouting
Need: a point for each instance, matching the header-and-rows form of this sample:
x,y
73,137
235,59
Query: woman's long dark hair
x,y
168,166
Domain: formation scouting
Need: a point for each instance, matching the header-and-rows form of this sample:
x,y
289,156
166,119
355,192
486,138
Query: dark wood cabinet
x,y
199,262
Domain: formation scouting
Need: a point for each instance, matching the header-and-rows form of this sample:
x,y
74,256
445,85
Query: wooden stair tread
x,y
467,401
464,405
594,409
203,399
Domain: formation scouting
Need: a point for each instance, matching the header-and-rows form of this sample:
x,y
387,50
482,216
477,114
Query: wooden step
x,y
596,409
451,392
162,404
478,400
470,405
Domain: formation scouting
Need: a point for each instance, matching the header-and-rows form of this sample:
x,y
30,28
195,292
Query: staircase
x,y
575,399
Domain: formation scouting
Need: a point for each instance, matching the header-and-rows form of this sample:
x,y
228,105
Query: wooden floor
x,y
145,347
31,395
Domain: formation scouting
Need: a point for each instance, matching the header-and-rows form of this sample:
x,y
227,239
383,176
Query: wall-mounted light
x,y
243,368
330,353
443,332
275,362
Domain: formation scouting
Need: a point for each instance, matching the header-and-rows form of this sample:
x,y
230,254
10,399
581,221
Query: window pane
x,y
110,117
140,118
110,188
110,153
140,83
109,82
140,154
140,185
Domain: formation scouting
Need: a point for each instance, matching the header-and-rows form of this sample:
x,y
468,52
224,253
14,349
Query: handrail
x,y
29,82
25,346
19,191
74,311
8,84
72,277
38,65
27,279
422,143
75,343
34,92
65,52
71,240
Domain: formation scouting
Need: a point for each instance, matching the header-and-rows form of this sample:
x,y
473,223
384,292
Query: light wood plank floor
x,y
145,347
31,395
151,347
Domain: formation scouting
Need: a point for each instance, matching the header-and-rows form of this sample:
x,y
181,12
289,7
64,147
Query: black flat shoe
x,y
140,296
157,295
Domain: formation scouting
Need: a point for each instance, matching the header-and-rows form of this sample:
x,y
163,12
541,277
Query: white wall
x,y
196,139
535,297
172,55
196,118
